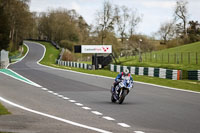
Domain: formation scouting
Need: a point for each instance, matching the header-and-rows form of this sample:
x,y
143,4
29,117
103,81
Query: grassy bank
x,y
52,54
185,57
16,55
3,110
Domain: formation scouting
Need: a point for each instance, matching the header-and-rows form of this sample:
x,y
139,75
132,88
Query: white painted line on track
x,y
96,113
170,88
108,118
55,94
26,80
79,104
54,117
72,101
123,125
66,98
60,96
45,89
138,132
51,92
86,108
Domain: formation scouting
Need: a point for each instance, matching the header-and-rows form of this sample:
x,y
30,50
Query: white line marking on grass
x,y
72,101
86,108
54,117
96,113
79,104
123,125
108,118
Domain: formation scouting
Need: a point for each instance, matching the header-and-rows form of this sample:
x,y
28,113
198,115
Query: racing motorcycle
x,y
121,90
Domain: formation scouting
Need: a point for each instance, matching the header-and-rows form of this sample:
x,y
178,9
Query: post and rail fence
x,y
192,58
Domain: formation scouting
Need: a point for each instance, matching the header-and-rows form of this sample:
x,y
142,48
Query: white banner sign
x,y
96,48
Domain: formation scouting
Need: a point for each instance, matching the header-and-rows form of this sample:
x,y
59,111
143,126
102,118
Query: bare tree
x,y
181,13
105,20
134,21
122,18
167,31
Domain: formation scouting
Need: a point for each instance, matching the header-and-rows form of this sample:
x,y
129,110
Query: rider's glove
x,y
118,80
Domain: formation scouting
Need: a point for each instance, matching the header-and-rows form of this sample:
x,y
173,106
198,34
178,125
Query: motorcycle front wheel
x,y
122,97
113,99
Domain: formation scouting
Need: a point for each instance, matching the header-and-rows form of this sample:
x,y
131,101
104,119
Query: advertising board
x,y
96,49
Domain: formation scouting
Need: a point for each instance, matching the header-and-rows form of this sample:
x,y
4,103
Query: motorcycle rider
x,y
119,78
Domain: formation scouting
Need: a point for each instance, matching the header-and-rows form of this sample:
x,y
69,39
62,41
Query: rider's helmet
x,y
126,72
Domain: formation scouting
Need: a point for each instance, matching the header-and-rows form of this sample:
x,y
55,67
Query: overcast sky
x,y
154,12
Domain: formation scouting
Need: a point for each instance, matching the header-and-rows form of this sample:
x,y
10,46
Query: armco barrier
x,y
74,64
194,75
149,71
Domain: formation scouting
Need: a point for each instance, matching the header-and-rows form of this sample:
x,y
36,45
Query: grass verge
x,y
52,54
3,110
15,56
25,50
185,57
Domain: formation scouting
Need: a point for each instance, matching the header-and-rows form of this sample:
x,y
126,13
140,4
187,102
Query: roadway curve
x,y
147,108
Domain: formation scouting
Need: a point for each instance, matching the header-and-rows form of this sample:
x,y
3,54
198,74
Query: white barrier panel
x,y
85,65
78,65
141,70
174,74
118,68
151,71
162,73
124,68
132,70
112,67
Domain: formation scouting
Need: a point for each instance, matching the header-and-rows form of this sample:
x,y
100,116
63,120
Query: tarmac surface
x,y
85,99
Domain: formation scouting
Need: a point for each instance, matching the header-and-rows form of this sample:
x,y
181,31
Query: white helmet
x,y
126,72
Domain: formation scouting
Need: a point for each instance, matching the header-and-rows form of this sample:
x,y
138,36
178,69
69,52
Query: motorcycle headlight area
x,y
121,84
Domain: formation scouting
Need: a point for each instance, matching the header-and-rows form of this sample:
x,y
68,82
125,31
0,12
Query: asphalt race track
x,y
85,99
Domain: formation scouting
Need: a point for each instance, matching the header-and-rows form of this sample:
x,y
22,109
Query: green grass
x,y
182,84
15,56
186,57
51,54
86,62
3,110
25,50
